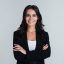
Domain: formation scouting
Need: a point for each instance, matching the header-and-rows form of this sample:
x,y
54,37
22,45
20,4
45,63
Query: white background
x,y
53,17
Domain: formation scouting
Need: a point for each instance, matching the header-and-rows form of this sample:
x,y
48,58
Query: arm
x,y
46,53
17,54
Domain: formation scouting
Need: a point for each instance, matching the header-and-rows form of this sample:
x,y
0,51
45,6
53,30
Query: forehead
x,y
31,11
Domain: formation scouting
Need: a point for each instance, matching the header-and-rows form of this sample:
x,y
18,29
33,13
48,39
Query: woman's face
x,y
31,17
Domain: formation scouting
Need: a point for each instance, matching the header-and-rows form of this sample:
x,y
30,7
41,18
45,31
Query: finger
x,y
46,45
16,44
15,50
13,47
44,48
18,49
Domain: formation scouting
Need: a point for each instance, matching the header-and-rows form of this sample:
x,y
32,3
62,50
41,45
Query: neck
x,y
31,29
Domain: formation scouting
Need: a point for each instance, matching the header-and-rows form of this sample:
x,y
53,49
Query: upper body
x,y
31,29
38,54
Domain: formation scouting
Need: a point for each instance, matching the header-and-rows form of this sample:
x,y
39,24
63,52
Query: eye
x,y
27,15
34,15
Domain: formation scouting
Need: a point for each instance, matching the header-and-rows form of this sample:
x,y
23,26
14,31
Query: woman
x,y
31,42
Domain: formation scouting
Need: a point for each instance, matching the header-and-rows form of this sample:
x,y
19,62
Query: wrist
x,y
22,51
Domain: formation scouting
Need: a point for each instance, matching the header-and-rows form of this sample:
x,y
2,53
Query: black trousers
x,y
30,62
33,62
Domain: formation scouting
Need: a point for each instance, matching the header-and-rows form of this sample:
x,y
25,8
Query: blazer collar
x,y
37,39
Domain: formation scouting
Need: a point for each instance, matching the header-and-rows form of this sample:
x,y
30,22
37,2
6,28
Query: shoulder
x,y
44,32
17,33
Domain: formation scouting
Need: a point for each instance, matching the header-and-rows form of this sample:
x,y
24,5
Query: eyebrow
x,y
29,14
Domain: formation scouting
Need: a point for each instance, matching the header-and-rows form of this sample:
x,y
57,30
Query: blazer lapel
x,y
25,40
37,40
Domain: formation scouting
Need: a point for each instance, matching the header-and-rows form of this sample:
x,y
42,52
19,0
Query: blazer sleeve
x,y
41,54
18,55
46,53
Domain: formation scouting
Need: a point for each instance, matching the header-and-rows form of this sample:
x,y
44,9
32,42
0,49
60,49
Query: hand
x,y
45,46
19,48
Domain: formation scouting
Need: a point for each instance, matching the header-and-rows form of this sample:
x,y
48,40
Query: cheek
x,y
35,19
27,18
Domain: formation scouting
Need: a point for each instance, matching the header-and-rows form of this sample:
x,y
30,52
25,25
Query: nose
x,y
31,18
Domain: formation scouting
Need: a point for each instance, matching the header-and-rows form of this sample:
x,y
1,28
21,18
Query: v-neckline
x,y
27,40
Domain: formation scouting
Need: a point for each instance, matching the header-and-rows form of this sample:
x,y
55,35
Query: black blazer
x,y
38,54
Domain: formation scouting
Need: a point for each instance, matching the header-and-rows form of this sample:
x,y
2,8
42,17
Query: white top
x,y
31,45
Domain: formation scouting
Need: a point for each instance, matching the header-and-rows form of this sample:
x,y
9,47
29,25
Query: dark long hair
x,y
39,24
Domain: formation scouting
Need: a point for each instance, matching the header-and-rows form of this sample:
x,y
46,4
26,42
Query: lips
x,y
31,21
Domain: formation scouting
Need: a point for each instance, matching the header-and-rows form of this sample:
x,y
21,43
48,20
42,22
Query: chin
x,y
31,24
